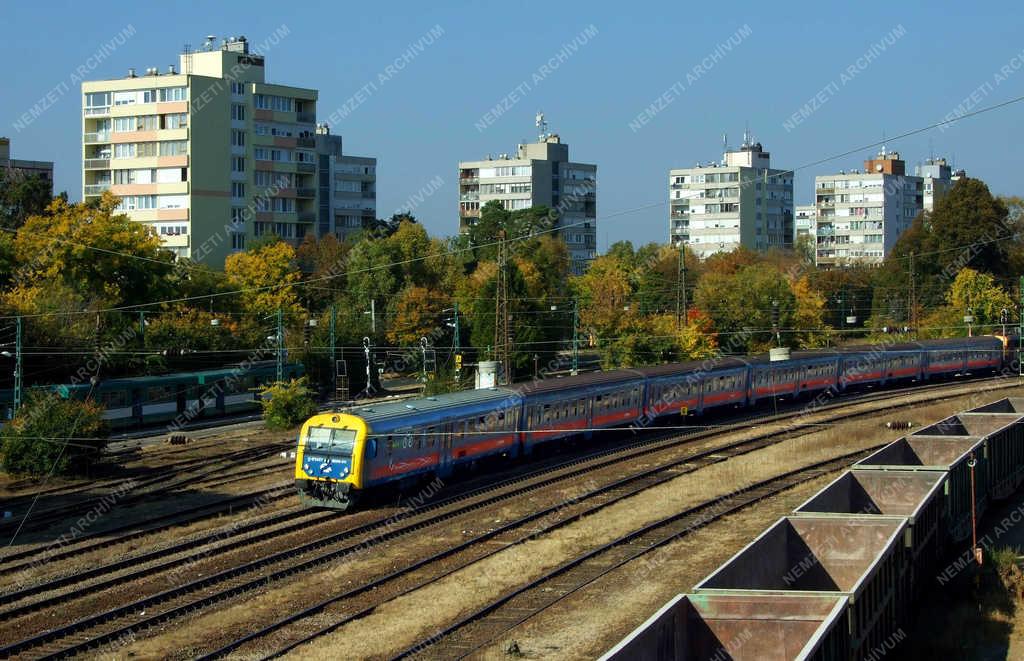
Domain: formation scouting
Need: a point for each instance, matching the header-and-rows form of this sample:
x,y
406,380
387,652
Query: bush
x,y
52,434
287,404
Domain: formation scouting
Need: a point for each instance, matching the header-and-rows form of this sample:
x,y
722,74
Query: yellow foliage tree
x,y
416,313
266,273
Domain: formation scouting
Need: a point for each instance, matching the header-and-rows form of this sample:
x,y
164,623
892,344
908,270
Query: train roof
x,y
538,386
207,376
378,411
708,365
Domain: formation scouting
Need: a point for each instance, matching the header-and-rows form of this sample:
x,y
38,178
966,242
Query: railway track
x,y
493,541
616,454
207,473
486,624
112,624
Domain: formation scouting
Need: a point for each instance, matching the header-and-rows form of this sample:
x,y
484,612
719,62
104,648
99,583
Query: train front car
x,y
328,462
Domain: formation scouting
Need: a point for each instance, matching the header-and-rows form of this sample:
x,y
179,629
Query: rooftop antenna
x,y
931,152
882,153
210,40
187,50
746,134
725,142
542,124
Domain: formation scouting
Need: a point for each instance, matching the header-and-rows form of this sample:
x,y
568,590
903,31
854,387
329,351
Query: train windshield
x,y
336,441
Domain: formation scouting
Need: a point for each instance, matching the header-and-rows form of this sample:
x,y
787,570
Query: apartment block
x,y
860,215
43,169
937,177
539,174
207,153
804,220
741,201
347,187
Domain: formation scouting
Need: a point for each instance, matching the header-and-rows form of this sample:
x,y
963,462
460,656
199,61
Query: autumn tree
x,y
415,312
741,305
266,275
94,251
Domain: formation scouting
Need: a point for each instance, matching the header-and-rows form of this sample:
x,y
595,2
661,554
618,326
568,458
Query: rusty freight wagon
x,y
946,454
916,496
1004,443
706,627
864,559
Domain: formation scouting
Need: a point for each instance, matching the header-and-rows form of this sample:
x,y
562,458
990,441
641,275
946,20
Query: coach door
x,y
137,405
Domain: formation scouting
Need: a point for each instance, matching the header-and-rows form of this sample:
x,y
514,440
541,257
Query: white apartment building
x,y
539,174
938,177
347,195
804,220
741,201
210,155
860,215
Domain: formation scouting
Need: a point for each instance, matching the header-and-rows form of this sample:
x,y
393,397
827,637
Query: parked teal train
x,y
345,453
142,401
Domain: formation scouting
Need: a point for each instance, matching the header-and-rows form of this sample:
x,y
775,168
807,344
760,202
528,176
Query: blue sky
x,y
431,113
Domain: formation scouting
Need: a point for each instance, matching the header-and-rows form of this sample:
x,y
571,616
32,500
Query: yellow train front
x,y
328,462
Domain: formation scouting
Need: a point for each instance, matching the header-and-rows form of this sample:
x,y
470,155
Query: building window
x,y
178,120
173,94
173,148
238,89
237,241
273,102
237,189
237,138
238,164
238,111
133,202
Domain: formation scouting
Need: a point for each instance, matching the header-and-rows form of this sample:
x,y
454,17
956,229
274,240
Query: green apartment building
x,y
208,154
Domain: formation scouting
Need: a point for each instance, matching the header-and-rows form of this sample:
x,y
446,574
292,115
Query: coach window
x,y
391,444
371,448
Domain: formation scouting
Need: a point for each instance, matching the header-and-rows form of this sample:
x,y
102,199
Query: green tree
x,y
52,434
23,195
741,305
978,294
287,404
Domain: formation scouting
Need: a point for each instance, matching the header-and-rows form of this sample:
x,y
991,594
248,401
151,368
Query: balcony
x,y
97,164
98,137
96,189
99,110
305,142
469,180
306,117
308,168
305,192
469,197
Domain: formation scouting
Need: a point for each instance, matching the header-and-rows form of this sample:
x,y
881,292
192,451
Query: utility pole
x,y
575,338
373,316
142,328
912,316
1020,329
681,287
332,340
17,364
280,345
501,317
456,346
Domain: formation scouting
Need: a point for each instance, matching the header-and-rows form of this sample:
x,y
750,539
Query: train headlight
x,y
305,467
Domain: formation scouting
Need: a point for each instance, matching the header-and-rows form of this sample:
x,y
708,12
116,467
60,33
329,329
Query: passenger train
x,y
344,454
140,401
